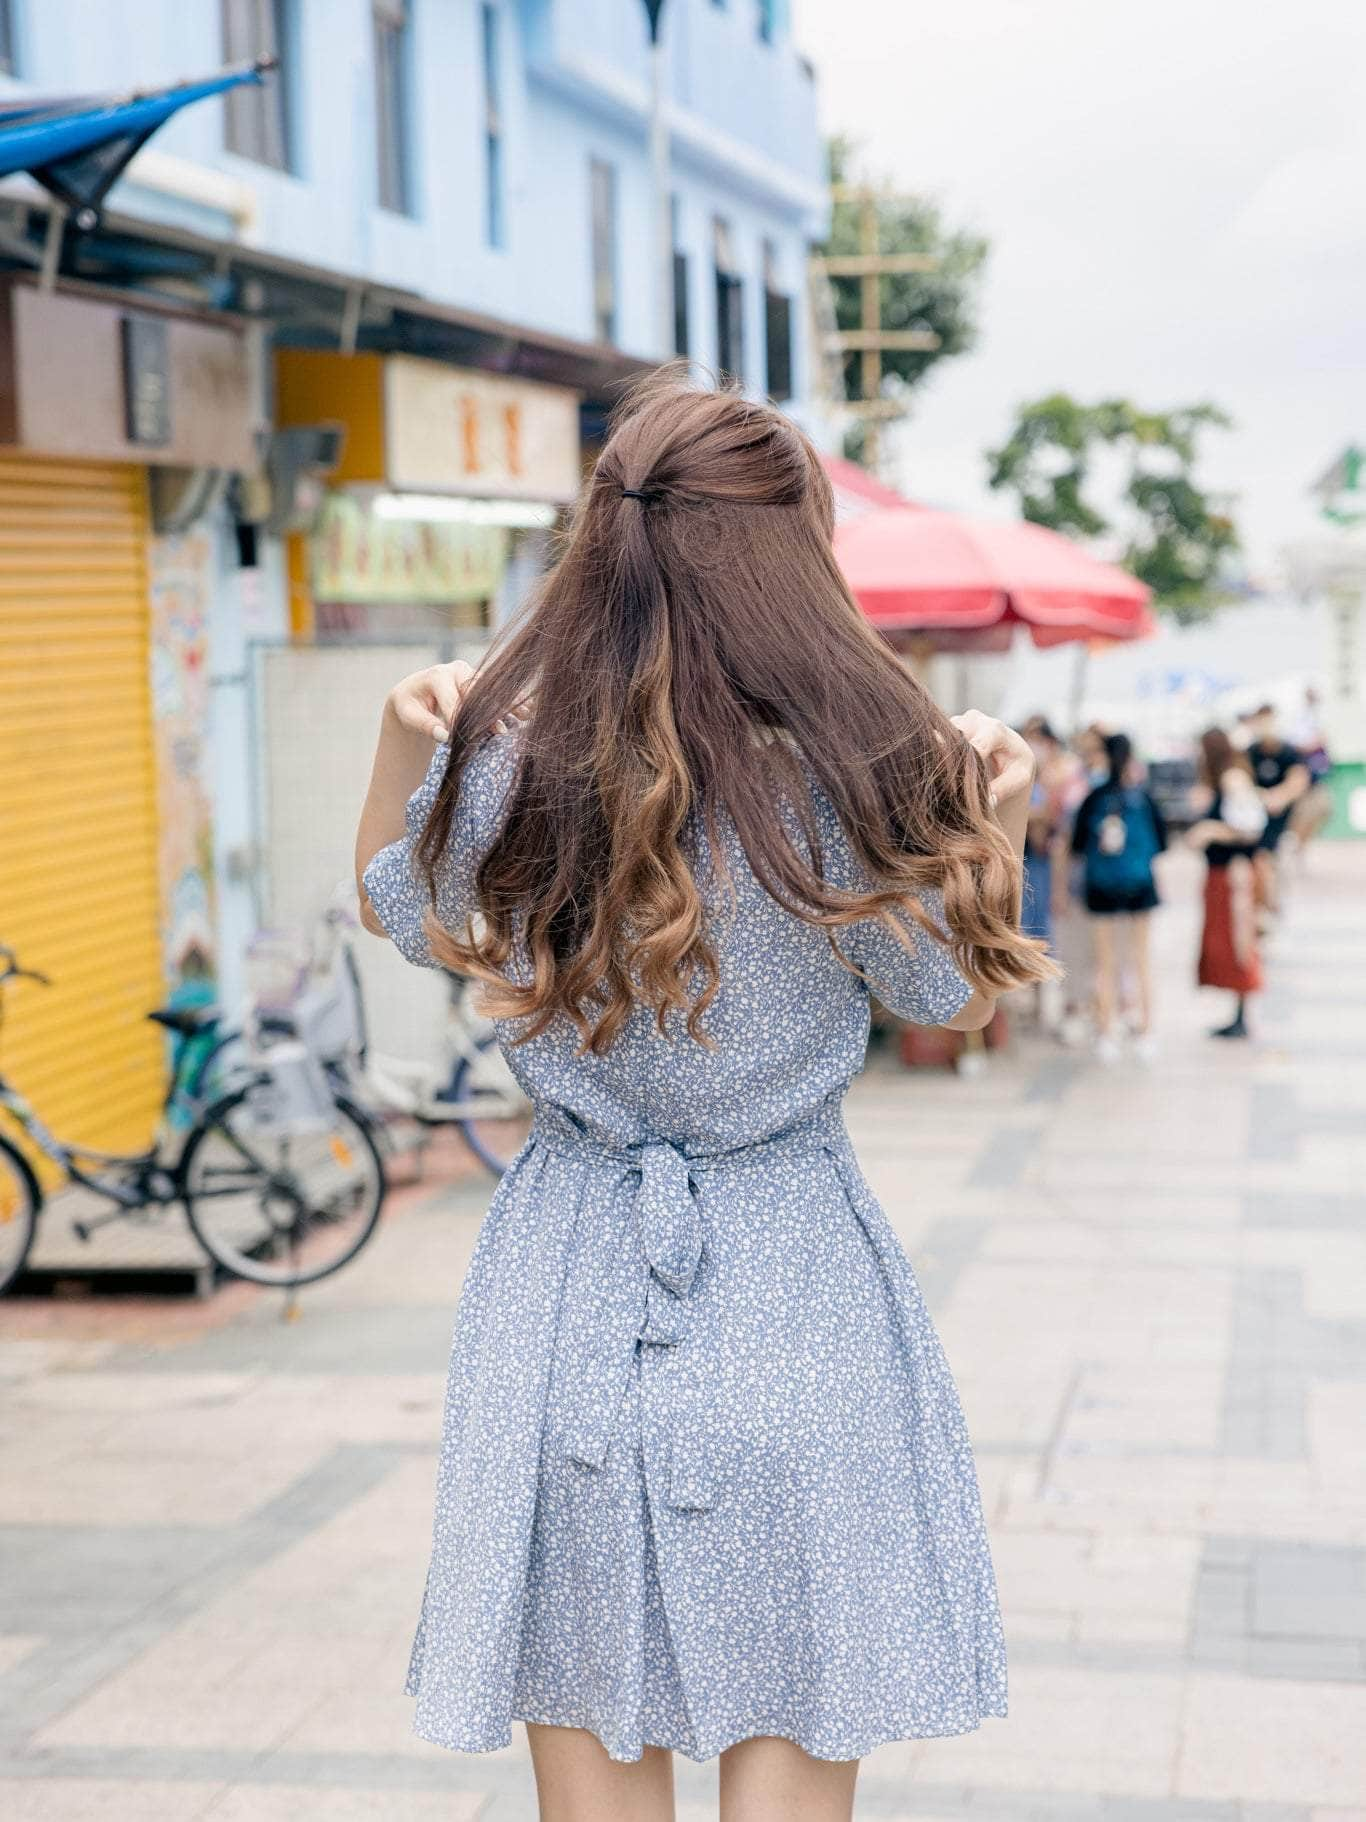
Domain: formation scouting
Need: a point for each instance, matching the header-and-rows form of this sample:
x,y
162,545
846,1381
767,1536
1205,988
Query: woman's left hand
x,y
426,703
1009,758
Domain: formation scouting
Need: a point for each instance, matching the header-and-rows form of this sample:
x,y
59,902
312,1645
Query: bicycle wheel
x,y
496,1115
19,1201
281,1207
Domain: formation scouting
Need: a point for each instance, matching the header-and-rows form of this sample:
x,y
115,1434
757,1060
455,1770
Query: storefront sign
x,y
82,377
449,430
360,557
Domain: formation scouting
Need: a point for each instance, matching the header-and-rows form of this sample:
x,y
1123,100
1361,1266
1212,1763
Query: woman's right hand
x,y
1009,758
426,703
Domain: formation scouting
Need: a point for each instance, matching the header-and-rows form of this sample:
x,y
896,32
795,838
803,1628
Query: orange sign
x,y
450,430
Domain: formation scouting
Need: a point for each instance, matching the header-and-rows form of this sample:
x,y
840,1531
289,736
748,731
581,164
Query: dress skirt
x,y
1229,955
705,1474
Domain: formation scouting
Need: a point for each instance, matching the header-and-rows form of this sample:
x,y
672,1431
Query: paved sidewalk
x,y
1151,1285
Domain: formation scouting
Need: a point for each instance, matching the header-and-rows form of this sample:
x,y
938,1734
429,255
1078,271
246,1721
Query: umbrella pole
x,y
1077,694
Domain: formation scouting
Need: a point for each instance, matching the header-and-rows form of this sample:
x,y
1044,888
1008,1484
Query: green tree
x,y
1177,538
944,301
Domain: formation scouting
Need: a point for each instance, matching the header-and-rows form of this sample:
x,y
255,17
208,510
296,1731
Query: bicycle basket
x,y
291,1093
327,1018
277,968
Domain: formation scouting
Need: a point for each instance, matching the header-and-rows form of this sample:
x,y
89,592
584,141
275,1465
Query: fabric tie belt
x,y
668,1225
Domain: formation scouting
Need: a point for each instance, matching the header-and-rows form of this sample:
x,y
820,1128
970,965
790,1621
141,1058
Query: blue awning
x,y
77,146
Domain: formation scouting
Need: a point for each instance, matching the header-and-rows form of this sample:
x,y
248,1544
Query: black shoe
x,y
1238,1029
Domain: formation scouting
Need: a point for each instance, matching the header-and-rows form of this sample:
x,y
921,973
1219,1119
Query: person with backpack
x,y
1118,834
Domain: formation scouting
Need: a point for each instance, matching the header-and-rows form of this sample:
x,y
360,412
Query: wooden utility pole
x,y
870,340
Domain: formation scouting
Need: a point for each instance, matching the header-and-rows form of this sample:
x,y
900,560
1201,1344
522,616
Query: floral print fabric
x,y
704,1473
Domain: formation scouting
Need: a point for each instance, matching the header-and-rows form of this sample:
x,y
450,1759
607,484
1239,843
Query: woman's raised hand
x,y
1009,758
426,702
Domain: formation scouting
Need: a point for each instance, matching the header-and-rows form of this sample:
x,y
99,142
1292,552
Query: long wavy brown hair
x,y
692,652
1219,755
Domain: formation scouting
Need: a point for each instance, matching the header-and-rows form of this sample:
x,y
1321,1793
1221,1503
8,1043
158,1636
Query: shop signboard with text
x,y
454,431
360,556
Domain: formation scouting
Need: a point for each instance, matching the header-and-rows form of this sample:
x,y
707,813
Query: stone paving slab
x,y
1152,1288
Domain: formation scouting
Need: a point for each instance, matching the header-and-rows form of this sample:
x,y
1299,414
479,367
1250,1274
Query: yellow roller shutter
x,y
78,829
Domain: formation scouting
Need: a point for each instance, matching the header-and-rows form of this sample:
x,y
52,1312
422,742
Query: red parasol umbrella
x,y
914,569
857,491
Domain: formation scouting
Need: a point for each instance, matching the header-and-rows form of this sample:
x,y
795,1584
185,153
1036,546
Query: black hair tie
x,y
635,493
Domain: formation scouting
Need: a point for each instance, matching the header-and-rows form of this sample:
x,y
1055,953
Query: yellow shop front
x,y
80,882
449,479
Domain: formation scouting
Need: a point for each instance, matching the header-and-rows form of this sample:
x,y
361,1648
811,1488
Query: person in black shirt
x,y
1282,777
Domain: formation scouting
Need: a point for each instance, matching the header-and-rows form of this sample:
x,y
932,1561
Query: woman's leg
x,y
576,1780
1103,950
1268,885
1237,1028
771,1780
1143,974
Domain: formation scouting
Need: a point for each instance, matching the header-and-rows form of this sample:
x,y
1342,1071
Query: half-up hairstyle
x,y
694,645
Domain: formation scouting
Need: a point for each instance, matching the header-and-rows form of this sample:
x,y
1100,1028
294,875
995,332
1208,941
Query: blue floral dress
x,y
704,1472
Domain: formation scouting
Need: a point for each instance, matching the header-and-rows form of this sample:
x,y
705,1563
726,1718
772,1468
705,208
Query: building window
x,y
777,329
493,128
603,190
258,114
730,304
6,38
393,106
680,283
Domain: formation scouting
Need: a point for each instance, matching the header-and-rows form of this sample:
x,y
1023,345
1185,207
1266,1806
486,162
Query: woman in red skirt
x,y
1231,824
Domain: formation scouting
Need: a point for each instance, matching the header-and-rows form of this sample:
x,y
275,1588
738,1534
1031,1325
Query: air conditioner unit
x,y
298,461
181,497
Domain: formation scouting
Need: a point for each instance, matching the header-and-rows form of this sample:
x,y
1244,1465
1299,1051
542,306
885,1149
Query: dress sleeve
x,y
917,980
397,887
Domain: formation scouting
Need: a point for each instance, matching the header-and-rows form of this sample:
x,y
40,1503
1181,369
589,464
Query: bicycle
x,y
280,1177
470,1087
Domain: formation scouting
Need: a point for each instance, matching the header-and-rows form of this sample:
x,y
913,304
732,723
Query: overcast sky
x,y
1175,193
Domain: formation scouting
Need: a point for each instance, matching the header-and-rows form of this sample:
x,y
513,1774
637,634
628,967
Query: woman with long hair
x,y
705,1485
1232,823
1118,834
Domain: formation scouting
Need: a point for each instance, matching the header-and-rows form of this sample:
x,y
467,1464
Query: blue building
x,y
434,231
485,155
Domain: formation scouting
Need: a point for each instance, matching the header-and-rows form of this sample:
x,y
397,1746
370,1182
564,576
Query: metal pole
x,y
659,174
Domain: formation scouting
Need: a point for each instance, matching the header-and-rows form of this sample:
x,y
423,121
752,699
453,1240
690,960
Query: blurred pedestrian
x,y
1282,778
1312,813
1047,851
1119,832
1089,747
1231,820
1041,835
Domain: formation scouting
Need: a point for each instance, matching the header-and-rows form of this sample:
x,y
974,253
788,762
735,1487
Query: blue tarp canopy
x,y
76,146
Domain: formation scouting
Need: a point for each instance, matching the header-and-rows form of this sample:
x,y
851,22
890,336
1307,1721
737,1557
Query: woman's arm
x,y
1201,834
1081,824
418,714
1160,830
1011,766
